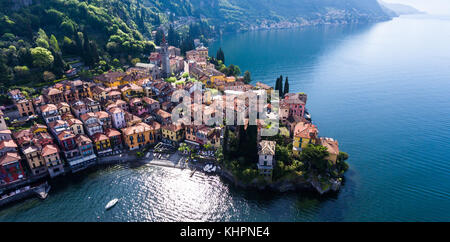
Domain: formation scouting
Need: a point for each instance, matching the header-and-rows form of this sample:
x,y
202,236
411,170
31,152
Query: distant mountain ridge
x,y
253,14
399,9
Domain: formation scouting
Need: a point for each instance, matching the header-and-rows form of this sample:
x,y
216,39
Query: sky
x,y
441,7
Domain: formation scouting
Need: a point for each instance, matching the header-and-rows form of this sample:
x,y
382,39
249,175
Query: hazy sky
x,y
429,6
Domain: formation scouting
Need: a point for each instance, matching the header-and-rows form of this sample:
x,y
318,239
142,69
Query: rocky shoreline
x,y
282,186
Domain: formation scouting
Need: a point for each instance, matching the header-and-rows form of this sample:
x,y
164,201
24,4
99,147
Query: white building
x,y
266,158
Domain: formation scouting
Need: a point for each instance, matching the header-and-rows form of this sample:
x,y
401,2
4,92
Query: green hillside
x,y
40,39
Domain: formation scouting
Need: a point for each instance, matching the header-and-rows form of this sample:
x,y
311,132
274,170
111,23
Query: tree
x,y
247,77
6,74
135,61
59,65
87,55
277,84
286,87
220,55
172,37
280,91
54,43
159,37
21,71
41,57
316,155
48,76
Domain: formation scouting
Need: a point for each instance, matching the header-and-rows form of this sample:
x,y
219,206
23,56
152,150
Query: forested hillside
x,y
39,39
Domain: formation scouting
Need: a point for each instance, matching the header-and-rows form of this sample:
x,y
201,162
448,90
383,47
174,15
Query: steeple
x,y
165,58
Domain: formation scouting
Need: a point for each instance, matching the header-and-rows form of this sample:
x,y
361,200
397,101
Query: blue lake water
x,y
382,90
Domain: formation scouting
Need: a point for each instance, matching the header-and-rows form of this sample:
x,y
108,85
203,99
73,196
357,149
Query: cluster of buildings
x,y
129,110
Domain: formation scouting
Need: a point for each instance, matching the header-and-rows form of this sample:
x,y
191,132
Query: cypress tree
x,y
220,55
87,51
286,87
280,91
277,84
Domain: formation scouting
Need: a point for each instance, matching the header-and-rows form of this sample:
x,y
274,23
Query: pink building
x,y
296,102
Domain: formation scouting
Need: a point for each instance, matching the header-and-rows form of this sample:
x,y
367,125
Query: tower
x,y
165,61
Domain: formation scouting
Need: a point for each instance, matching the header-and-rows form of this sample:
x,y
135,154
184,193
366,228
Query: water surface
x,y
382,90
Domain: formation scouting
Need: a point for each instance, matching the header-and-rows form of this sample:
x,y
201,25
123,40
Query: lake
x,y
382,90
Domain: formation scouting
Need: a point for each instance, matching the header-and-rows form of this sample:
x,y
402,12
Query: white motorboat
x,y
111,203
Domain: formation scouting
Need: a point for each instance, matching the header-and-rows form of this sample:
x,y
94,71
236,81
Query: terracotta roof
x,y
57,123
155,125
53,91
83,138
114,93
73,121
138,128
110,76
173,127
49,150
163,114
5,131
116,110
99,137
7,144
134,100
65,135
98,89
149,100
63,104
87,116
331,144
296,98
112,132
22,133
305,130
9,157
120,102
267,147
49,107
102,114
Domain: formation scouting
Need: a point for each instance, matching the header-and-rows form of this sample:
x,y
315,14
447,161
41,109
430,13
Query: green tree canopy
x,y
316,155
41,57
247,77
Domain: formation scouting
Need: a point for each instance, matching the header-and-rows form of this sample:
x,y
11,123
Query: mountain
x,y
40,39
232,15
399,9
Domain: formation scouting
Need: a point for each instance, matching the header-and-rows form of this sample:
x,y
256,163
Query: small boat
x,y
111,203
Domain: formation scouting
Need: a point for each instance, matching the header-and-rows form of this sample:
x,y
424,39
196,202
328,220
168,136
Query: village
x,y
77,124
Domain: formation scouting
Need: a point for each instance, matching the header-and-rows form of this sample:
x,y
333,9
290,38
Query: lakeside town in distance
x,y
128,116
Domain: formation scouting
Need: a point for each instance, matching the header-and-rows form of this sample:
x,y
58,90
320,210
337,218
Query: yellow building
x,y
111,79
139,135
173,133
38,128
304,134
102,143
131,90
